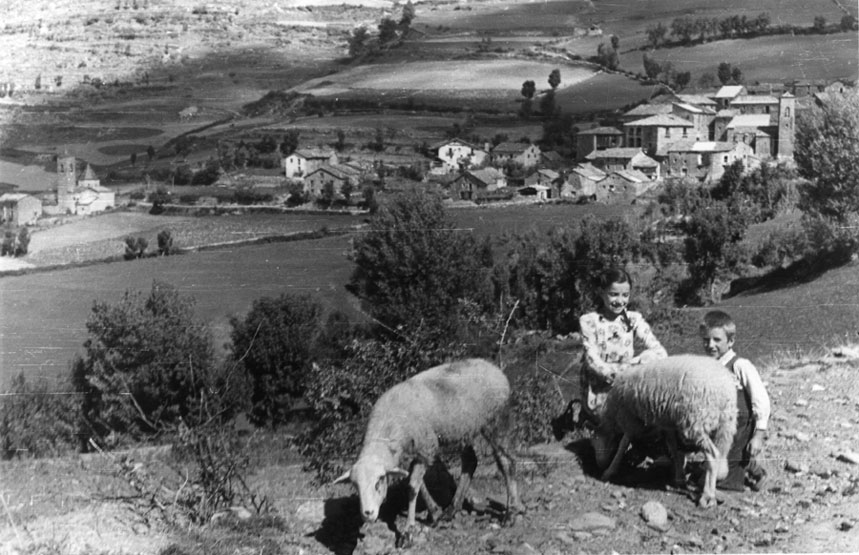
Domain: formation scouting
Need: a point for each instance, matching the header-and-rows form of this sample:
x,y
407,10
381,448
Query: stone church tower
x,y
786,126
66,183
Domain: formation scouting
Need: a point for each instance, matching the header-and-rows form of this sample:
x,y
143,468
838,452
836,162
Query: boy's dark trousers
x,y
739,460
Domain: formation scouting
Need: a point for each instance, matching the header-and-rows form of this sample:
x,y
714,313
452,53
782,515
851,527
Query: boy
x,y
753,403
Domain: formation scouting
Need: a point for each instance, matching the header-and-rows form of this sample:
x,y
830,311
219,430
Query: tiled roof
x,y
510,148
618,152
696,99
750,120
644,161
602,131
754,99
590,171
632,175
447,142
727,113
729,91
644,110
13,197
314,152
661,120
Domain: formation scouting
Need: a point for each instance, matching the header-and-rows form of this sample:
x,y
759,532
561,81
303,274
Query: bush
x,y
146,361
38,421
135,247
274,344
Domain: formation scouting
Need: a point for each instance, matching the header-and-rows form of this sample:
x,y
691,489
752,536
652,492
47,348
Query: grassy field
x,y
776,58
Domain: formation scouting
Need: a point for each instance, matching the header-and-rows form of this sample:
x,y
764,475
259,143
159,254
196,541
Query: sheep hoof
x,y
512,516
405,540
707,502
448,514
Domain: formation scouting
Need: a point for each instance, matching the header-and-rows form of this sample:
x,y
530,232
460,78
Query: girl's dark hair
x,y
613,275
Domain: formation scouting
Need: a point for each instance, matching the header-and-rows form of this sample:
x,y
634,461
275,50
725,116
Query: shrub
x,y
274,345
36,420
165,243
135,247
145,362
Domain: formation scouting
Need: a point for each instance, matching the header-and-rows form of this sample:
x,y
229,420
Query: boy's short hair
x,y
614,274
719,319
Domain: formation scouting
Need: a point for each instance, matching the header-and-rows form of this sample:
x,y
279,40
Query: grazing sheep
x,y
451,402
691,399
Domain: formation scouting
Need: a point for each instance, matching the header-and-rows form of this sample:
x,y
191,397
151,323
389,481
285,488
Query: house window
x,y
685,132
724,159
667,132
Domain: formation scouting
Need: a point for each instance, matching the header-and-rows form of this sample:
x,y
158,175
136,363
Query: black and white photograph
x,y
429,277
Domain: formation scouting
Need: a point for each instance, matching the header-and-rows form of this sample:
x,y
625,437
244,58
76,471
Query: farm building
x,y
624,186
656,133
583,181
598,138
19,209
613,159
473,183
305,160
80,194
335,176
527,155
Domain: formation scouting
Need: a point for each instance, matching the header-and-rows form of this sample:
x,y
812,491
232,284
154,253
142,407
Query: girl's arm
x,y
653,349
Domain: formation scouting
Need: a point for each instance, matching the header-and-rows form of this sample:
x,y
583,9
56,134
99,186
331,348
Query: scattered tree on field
x,y
848,23
150,153
528,90
683,28
165,243
819,24
724,73
681,79
615,42
607,56
408,14
651,67
387,30
289,142
135,247
656,34
358,41
555,78
736,76
341,140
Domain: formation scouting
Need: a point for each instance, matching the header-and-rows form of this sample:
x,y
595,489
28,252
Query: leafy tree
x,y
150,153
145,362
528,89
555,78
683,28
827,154
656,34
651,67
22,242
682,79
762,22
724,73
290,142
208,175
736,75
358,41
274,344
165,243
133,158
413,265
819,24
848,23
712,234
607,56
408,14
387,30
135,247
341,140
615,42
547,105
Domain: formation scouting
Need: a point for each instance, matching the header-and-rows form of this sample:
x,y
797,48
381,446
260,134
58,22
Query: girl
x,y
609,335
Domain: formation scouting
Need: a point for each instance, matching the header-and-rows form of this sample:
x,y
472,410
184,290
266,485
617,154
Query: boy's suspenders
x,y
730,366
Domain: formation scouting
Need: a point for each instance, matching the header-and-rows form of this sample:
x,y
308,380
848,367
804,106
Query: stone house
x,y
305,160
656,133
470,184
705,160
19,209
623,186
725,95
335,176
583,183
527,155
613,159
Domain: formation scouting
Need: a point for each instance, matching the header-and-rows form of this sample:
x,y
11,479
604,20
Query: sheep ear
x,y
342,479
397,473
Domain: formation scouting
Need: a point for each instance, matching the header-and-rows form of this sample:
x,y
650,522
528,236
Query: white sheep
x,y
691,399
452,402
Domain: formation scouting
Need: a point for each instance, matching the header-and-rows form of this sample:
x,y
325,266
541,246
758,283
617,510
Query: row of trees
x,y
686,30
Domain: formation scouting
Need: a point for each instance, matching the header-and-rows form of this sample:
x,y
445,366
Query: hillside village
x,y
674,136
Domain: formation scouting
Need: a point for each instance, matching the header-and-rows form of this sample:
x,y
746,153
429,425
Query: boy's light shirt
x,y
749,379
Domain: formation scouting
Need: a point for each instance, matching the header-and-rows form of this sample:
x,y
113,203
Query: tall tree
x,y
651,66
555,78
358,41
724,73
656,34
387,30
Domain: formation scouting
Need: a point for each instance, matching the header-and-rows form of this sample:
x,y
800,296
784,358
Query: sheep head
x,y
370,476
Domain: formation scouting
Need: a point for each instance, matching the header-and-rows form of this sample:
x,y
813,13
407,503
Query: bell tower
x,y
786,126
66,181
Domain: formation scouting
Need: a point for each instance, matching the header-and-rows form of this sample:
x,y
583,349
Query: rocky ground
x,y
810,503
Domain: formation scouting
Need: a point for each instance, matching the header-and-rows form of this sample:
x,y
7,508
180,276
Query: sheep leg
x,y
677,458
469,465
416,482
618,458
711,454
433,507
507,466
